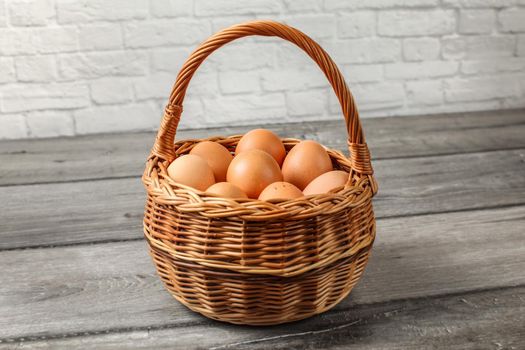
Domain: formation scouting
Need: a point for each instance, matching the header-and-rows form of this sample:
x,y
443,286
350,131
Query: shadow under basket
x,y
249,261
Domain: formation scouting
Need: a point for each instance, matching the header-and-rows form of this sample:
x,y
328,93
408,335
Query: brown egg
x,y
280,190
305,161
265,140
217,156
326,182
191,170
226,190
252,171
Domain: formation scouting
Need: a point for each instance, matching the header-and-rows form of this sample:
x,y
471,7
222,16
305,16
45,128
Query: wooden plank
x,y
65,213
112,286
123,155
492,319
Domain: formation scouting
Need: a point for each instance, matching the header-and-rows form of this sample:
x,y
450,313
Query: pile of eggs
x,y
261,169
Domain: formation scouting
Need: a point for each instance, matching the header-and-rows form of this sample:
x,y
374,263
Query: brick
x,y
377,4
366,51
100,37
171,8
82,11
420,70
17,42
302,6
50,124
193,115
133,117
235,82
101,64
155,86
3,14
374,96
203,84
220,23
30,12
477,47
480,89
476,21
356,24
292,79
421,49
363,73
56,39
7,70
55,96
111,91
520,49
318,26
245,109
425,93
229,7
245,56
304,103
165,32
493,66
36,68
416,22
512,20
13,127
478,3
170,60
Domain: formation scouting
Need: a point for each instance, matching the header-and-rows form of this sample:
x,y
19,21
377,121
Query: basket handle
x,y
359,154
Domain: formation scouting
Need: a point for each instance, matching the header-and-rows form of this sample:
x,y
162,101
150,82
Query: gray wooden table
x,y
447,270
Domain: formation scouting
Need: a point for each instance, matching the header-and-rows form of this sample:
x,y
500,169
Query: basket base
x,y
259,300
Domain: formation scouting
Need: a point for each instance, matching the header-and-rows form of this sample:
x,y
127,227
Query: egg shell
x,y
226,190
252,171
280,191
217,156
326,182
305,161
264,140
191,170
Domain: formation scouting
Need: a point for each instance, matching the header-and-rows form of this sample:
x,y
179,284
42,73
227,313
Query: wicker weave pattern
x,y
226,259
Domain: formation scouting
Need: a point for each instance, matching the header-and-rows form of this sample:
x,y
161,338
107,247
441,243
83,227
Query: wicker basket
x,y
250,261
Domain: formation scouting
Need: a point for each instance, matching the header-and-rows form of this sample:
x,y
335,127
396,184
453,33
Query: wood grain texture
x,y
106,210
492,319
123,155
113,287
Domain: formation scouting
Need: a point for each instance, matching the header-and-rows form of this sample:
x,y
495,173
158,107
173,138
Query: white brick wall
x,y
71,67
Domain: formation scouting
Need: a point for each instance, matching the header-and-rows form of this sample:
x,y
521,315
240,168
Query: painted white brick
x,y
235,82
421,49
100,37
420,70
512,20
426,93
513,64
416,22
520,49
56,39
7,70
205,84
171,8
36,68
243,56
30,12
363,73
156,86
193,116
480,89
478,3
81,11
356,24
292,79
55,96
165,33
232,7
303,103
170,60
3,14
50,124
100,64
478,21
318,26
133,117
477,47
246,109
111,91
365,51
17,42
13,127
373,96
377,4
302,6
221,23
